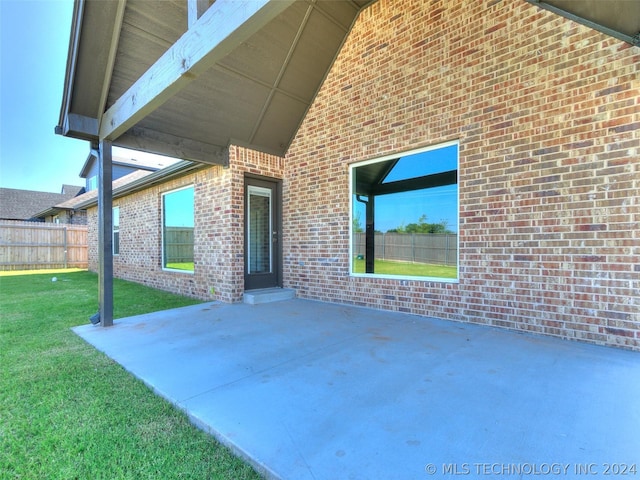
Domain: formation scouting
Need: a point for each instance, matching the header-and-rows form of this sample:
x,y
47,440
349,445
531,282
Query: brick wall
x,y
77,217
218,230
140,258
547,113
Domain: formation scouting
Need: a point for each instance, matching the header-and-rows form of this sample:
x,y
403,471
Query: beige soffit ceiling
x,y
255,95
618,18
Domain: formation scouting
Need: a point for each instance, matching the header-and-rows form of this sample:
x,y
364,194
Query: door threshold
x,y
268,295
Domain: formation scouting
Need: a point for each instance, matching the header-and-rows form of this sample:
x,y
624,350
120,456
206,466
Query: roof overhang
x,y
168,78
617,18
91,158
187,78
135,183
49,212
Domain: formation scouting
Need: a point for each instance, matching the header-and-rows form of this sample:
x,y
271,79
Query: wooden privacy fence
x,y
432,248
33,245
178,244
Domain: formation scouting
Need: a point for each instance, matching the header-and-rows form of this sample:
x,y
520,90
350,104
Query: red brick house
x,y
510,130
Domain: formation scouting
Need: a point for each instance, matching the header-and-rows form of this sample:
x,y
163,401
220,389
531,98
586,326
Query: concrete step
x,y
267,295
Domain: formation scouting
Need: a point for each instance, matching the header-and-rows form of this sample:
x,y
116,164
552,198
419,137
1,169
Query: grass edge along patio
x,y
69,411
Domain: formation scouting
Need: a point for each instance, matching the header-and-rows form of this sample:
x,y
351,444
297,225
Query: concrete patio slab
x,y
309,390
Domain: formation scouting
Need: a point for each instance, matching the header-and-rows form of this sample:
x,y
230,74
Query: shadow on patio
x,y
310,390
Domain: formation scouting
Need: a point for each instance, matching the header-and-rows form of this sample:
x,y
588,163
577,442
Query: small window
x,y
404,219
177,230
116,231
92,183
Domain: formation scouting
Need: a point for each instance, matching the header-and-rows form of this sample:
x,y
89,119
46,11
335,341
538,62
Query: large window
x,y
116,231
177,230
404,215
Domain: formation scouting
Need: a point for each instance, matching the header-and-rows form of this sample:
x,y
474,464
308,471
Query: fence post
x,y
413,248
32,245
65,247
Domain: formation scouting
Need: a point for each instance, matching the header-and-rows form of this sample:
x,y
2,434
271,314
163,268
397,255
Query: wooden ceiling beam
x,y
147,140
79,126
195,9
224,26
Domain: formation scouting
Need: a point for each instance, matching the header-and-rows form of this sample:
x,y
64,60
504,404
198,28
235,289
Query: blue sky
x,y
437,203
179,208
34,40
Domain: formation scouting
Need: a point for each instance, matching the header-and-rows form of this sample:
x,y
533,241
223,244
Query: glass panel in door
x,y
259,230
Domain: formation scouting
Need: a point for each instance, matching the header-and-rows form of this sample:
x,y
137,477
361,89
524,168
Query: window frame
x,y
162,229
352,170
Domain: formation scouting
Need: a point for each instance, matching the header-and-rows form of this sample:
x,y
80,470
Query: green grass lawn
x,y
69,412
388,267
188,266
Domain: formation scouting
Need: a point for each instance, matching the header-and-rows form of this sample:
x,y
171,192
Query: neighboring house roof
x,y
138,163
139,180
69,205
18,204
91,197
72,190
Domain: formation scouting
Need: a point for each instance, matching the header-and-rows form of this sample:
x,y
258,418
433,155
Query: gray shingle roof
x,y
72,190
25,204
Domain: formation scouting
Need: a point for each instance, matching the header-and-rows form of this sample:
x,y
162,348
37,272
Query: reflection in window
x,y
116,231
259,230
405,215
177,230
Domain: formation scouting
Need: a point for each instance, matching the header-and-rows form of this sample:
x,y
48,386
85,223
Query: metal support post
x,y
370,235
105,232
